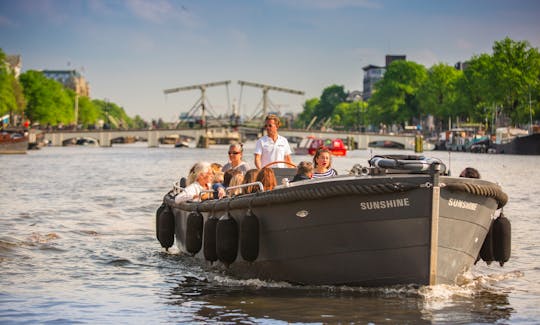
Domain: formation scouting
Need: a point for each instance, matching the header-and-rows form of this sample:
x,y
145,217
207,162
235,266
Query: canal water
x,y
77,245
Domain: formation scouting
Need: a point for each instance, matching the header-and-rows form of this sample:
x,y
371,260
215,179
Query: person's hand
x,y
221,192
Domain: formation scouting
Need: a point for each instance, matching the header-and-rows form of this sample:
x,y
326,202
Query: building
x,y
71,79
15,63
373,73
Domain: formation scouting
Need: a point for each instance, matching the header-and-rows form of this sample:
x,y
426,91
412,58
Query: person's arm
x,y
189,193
258,161
288,159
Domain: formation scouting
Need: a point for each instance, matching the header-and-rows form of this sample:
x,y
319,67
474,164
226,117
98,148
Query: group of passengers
x,y
207,180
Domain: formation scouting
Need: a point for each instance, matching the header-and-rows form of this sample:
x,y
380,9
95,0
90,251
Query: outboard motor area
x,y
413,164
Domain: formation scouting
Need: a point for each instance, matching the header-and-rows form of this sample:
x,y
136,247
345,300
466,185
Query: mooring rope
x,y
332,189
489,190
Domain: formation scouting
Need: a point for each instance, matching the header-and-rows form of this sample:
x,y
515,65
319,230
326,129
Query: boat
x,y
388,144
310,144
398,220
13,142
517,142
81,141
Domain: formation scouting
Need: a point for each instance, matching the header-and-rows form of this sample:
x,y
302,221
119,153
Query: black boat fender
x,y
165,226
486,251
209,239
227,239
194,232
249,237
502,239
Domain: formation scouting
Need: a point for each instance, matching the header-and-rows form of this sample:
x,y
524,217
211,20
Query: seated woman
x,y
237,179
251,177
268,178
322,162
199,179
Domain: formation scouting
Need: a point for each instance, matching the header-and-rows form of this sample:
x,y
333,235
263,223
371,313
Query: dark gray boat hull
x,y
356,230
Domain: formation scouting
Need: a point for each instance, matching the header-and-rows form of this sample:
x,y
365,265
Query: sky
x,y
130,51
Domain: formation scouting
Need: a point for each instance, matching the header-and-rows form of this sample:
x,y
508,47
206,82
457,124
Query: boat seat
x,y
282,173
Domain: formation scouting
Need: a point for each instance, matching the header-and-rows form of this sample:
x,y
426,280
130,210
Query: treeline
x,y
47,102
502,88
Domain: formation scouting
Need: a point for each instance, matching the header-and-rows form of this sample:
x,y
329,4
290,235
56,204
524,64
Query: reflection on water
x,y
244,302
78,245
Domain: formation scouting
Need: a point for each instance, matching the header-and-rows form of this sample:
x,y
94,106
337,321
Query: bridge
x,y
105,137
152,136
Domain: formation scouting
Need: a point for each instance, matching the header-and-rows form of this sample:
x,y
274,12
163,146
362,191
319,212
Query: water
x,y
78,246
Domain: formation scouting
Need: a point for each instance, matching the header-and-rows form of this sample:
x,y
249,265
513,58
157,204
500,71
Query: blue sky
x,y
130,51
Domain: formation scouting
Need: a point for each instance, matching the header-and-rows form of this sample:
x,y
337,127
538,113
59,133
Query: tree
x,y
394,100
47,100
307,114
438,94
330,98
112,114
88,112
11,98
515,74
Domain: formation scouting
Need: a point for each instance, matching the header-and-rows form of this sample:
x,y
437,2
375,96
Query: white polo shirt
x,y
272,151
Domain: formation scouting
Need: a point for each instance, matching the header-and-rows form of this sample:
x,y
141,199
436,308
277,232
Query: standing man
x,y
272,147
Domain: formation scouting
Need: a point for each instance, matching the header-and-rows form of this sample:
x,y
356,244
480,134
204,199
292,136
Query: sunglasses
x,y
234,153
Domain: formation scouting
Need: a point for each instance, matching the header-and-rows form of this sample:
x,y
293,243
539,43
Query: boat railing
x,y
241,186
178,189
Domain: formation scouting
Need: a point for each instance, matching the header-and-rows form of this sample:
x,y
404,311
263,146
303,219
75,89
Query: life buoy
x,y
227,239
502,238
194,232
486,251
165,226
249,237
209,239
407,162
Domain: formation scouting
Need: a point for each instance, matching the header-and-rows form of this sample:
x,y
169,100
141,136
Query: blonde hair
x,y
197,169
273,117
237,179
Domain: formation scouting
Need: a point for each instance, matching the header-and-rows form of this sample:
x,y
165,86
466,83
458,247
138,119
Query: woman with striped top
x,y
323,163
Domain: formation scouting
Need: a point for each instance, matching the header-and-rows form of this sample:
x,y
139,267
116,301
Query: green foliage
x,y
11,98
516,70
47,100
394,100
330,98
307,114
113,115
438,94
88,112
507,81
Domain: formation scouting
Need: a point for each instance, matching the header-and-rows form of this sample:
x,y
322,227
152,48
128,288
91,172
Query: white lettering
x,y
462,204
385,204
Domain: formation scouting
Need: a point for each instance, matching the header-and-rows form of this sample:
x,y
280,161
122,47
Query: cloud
x,y
464,44
6,22
333,4
160,11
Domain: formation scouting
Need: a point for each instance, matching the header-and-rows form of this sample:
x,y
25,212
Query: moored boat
x,y
13,142
399,220
517,142
310,144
